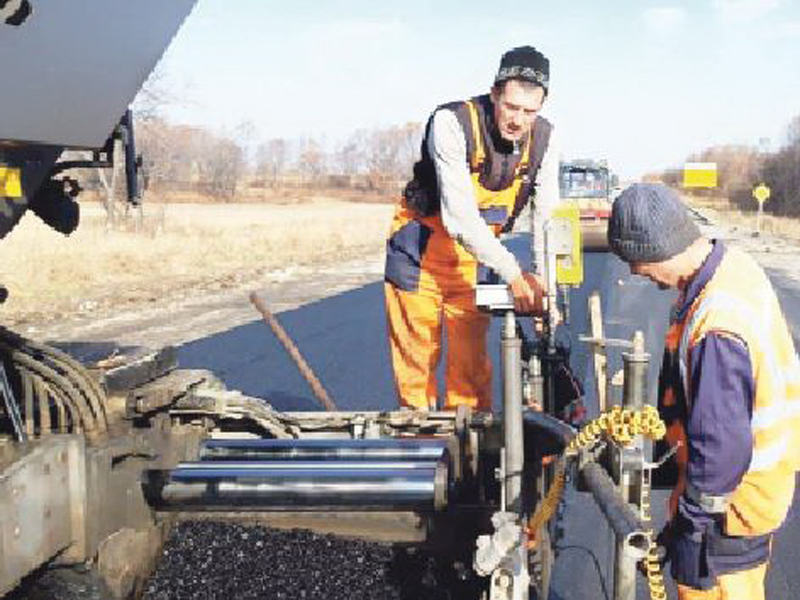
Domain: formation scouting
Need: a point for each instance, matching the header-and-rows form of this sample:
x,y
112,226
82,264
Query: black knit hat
x,y
649,223
526,63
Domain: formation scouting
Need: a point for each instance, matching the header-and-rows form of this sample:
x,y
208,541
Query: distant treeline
x,y
190,158
740,168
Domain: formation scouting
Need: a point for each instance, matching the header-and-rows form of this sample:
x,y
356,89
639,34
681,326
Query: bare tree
x,y
271,159
781,172
312,161
351,157
227,163
392,152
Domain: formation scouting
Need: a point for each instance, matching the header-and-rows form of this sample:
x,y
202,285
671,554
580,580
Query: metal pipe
x,y
302,365
253,466
635,365
621,516
511,346
321,488
325,449
129,145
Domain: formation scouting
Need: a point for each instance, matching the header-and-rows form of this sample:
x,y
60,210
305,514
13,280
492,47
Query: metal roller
x,y
333,485
430,449
297,465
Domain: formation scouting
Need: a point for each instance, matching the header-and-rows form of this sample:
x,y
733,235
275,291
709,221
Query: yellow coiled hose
x,y
621,426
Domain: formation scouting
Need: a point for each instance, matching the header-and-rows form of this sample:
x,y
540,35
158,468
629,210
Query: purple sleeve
x,y
718,428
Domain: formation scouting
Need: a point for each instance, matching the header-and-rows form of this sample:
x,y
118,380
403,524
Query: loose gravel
x,y
208,560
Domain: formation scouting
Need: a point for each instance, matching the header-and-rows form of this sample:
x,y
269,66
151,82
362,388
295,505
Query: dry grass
x,y
787,227
185,248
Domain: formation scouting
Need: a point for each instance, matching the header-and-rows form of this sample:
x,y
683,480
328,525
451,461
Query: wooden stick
x,y
291,348
600,359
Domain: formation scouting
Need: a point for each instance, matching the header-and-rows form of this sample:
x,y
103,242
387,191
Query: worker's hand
x,y
528,292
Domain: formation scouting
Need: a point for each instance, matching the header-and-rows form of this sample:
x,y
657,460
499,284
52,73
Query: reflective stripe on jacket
x,y
739,301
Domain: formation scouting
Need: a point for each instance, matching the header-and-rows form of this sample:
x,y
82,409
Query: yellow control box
x,y
569,266
10,182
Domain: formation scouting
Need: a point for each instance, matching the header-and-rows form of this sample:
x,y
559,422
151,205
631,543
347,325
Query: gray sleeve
x,y
547,198
448,148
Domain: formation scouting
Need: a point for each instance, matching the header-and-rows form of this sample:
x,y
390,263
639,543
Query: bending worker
x,y
481,160
729,392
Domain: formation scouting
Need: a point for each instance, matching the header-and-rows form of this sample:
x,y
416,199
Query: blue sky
x,y
642,84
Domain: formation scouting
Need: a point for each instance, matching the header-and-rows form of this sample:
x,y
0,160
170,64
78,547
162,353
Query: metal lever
x,y
667,455
606,342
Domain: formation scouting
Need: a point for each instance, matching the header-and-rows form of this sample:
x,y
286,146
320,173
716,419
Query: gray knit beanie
x,y
649,223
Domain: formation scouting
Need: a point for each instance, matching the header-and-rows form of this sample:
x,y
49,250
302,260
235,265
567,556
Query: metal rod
x,y
291,348
511,346
635,364
327,449
297,489
129,146
253,466
551,279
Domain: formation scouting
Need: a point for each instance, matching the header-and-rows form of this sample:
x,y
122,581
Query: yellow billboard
x,y
700,175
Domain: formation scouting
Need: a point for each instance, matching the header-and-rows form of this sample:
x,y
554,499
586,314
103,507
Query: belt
x,y
711,503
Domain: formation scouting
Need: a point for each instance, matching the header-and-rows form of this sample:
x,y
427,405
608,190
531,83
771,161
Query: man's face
x,y
515,109
660,273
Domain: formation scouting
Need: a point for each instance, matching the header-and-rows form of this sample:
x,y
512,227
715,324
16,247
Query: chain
x,y
621,426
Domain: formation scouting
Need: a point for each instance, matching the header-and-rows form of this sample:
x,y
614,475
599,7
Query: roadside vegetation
x,y
179,250
740,168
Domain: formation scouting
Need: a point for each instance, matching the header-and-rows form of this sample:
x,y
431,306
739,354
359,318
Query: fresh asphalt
x,y
343,339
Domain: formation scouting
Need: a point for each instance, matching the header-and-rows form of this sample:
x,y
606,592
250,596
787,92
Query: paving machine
x,y
98,461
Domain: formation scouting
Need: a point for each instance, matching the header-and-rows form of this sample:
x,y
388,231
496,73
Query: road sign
x,y
761,193
700,175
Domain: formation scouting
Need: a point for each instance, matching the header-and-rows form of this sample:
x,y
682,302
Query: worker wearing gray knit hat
x,y
729,366
649,223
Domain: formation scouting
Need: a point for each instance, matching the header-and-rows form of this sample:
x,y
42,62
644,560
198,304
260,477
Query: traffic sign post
x,y
761,193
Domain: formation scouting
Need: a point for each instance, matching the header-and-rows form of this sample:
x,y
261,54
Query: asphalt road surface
x,y
343,339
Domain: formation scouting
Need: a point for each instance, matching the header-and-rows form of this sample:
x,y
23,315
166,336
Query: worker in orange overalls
x,y
482,159
729,392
